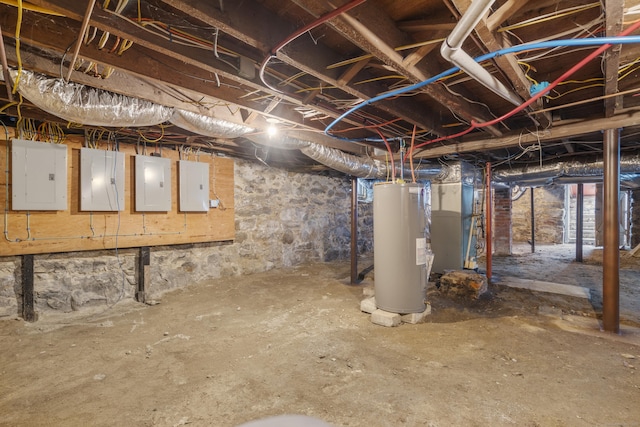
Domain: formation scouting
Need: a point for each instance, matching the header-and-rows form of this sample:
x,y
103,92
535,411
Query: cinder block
x,y
414,318
384,318
368,291
368,305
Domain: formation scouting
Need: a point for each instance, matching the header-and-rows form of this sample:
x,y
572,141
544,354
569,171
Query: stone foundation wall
x,y
549,215
283,219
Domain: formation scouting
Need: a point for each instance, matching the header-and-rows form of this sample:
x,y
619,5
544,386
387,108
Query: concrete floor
x,y
228,351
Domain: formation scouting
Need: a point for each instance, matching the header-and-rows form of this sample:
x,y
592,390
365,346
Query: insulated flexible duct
x,y
566,172
208,126
86,105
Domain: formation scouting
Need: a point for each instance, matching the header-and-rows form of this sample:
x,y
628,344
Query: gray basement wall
x,y
283,219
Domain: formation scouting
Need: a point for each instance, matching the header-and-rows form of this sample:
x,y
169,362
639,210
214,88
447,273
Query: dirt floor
x,y
294,341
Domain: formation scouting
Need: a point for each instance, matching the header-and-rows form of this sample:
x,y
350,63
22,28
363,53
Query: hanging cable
x,y
604,42
556,82
301,31
393,164
413,140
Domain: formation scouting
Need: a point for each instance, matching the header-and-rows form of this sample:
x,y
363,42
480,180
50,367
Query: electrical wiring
x,y
393,165
552,85
549,16
413,140
18,56
324,18
596,41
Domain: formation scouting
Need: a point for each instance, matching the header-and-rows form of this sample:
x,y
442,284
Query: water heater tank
x,y
399,226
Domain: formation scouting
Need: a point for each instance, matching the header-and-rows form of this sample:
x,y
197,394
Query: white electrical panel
x,y
153,184
39,176
101,180
194,186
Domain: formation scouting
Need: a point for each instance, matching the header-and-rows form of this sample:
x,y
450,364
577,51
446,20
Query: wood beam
x,y
191,85
623,118
613,22
504,12
508,64
373,31
246,21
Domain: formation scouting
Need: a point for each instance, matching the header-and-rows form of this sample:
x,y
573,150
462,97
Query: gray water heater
x,y
399,226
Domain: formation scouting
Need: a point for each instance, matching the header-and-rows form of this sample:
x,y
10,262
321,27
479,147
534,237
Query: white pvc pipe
x,y
452,51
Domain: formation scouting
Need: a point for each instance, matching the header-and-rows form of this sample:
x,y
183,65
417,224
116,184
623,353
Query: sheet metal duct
x,y
86,105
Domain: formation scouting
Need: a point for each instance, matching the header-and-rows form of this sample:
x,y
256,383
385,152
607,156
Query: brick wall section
x,y
502,221
635,218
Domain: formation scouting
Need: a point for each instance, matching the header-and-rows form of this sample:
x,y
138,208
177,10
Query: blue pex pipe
x,y
594,41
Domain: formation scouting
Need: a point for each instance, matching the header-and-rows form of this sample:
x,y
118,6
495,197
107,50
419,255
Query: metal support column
x,y
144,276
354,230
579,221
611,253
488,219
28,304
533,221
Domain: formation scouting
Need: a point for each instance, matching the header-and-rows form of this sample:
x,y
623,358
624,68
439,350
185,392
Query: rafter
x,y
374,32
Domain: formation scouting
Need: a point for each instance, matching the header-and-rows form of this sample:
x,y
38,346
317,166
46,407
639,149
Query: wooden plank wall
x,y
38,232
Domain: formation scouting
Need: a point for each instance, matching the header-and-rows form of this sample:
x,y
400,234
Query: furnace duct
x,y
86,105
570,172
208,126
360,167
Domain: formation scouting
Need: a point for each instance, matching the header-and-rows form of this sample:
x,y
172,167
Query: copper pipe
x,y
579,221
488,218
533,221
5,67
354,230
83,29
611,225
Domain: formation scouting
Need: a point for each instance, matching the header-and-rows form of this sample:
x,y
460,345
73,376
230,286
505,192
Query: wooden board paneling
x,y
38,232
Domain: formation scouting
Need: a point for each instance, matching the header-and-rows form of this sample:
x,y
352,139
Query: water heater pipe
x,y
452,51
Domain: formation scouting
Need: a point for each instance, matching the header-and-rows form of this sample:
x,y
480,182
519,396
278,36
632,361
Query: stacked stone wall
x,y
283,219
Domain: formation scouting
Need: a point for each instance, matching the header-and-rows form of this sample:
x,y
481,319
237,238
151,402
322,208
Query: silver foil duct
x,y
86,105
208,126
349,164
570,172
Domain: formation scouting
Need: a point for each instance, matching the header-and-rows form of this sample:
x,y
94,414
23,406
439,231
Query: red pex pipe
x,y
556,82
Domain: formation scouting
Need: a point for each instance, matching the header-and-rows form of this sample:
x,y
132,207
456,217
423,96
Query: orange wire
x,y
393,164
413,140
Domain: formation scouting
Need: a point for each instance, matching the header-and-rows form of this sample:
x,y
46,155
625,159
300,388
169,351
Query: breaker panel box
x,y
153,183
194,186
101,180
39,176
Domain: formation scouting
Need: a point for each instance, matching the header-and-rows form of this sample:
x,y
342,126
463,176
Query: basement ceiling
x,y
345,80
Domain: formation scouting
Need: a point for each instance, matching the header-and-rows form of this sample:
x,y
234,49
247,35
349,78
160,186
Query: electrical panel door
x,y
194,186
153,183
39,176
101,180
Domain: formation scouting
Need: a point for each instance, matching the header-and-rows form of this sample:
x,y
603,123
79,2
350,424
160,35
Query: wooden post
x,y
144,276
28,305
